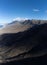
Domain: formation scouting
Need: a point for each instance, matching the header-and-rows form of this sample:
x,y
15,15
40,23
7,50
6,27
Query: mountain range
x,y
24,43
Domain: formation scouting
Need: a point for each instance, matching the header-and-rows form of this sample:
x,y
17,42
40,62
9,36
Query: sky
x,y
26,9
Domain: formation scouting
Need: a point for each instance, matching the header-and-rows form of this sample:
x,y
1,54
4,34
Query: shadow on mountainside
x,y
34,39
42,60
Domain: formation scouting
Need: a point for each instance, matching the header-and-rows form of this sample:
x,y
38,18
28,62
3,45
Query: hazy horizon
x,y
28,9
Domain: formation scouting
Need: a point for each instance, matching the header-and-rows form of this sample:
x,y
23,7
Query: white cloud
x,y
3,23
36,10
20,19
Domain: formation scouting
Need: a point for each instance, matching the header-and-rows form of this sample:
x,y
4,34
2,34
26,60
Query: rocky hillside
x,y
28,47
19,26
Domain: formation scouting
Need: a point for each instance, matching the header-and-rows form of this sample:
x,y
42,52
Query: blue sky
x,y
12,9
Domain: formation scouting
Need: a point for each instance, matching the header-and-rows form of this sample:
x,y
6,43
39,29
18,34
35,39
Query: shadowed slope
x,y
30,43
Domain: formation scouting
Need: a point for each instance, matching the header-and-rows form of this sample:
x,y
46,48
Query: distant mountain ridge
x,y
19,26
33,21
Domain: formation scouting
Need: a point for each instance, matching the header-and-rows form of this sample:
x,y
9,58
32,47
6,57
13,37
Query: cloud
x,y
20,19
36,10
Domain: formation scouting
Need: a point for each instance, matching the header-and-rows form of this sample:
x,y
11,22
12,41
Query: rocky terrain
x,y
24,43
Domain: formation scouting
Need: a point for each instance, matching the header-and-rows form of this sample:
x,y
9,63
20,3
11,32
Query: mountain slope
x,y
19,26
30,43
